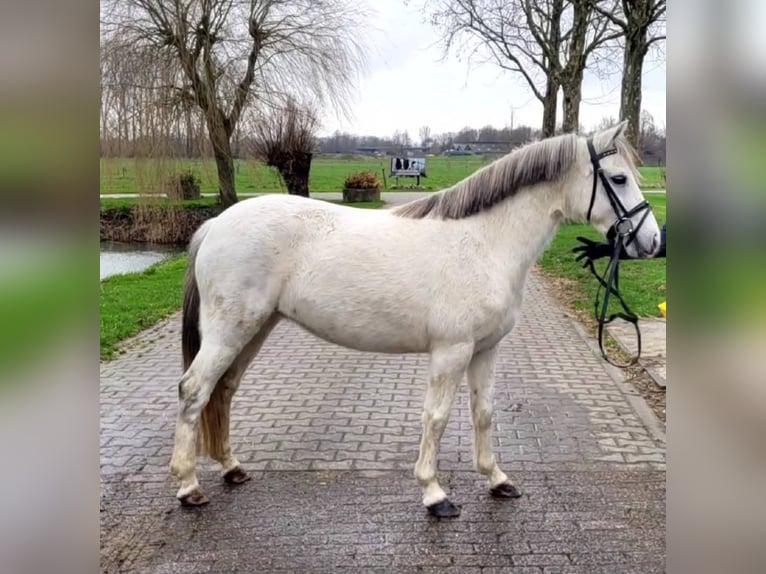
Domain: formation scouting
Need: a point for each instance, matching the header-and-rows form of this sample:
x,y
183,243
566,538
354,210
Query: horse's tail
x,y
190,337
210,436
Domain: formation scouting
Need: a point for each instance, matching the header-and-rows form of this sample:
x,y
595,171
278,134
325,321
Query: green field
x,y
121,175
642,282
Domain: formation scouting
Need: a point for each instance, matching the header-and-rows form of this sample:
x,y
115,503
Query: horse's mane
x,y
545,160
538,162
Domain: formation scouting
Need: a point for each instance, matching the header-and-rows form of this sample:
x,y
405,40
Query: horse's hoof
x,y
444,509
195,498
505,490
236,476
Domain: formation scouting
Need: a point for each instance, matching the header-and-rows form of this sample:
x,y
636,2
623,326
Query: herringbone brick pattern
x,y
334,434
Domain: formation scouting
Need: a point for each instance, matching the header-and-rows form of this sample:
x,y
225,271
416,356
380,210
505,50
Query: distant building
x,y
392,149
480,147
373,150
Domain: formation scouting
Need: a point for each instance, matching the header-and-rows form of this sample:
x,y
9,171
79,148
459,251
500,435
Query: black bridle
x,y
622,233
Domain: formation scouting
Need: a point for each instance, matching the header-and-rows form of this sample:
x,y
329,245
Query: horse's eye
x,y
619,179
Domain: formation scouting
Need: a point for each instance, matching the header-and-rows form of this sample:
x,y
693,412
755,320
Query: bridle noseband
x,y
622,233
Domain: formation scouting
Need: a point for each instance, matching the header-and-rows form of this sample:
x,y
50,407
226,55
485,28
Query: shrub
x,y
184,186
285,140
362,180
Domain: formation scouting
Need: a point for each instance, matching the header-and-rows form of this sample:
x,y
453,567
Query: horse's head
x,y
608,194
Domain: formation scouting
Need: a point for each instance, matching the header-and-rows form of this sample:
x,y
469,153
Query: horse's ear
x,y
616,131
620,129
609,135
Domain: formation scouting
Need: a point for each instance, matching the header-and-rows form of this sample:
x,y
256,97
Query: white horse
x,y
453,265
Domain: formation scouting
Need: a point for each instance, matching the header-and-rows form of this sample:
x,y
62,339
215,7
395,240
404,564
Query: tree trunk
x,y
224,162
295,172
189,132
571,81
549,108
225,166
572,89
630,97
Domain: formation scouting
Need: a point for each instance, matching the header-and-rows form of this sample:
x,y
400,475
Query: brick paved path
x,y
331,436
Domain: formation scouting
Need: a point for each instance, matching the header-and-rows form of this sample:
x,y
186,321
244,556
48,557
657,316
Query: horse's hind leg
x,y
194,391
481,382
232,470
222,343
448,365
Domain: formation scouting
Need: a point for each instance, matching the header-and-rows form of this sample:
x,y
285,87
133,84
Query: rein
x,y
624,234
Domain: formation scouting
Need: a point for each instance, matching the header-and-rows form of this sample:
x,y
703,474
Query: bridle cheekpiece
x,y
621,233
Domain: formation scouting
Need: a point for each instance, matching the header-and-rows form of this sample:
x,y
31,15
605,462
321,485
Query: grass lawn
x,y
124,175
132,302
642,282
117,202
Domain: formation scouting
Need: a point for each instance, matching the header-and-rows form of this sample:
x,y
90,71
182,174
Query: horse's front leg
x,y
448,365
481,382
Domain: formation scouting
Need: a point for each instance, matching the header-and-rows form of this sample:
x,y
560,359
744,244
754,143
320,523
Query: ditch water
x,y
117,258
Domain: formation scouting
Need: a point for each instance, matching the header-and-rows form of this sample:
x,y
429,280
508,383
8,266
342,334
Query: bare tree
x,y
467,135
642,22
646,127
285,139
488,133
401,139
141,116
226,50
425,136
605,123
651,141
499,32
547,43
589,31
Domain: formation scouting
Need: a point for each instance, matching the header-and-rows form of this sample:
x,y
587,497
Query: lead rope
x,y
610,283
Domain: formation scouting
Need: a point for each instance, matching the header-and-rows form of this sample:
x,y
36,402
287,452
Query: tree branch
x,y
611,17
258,35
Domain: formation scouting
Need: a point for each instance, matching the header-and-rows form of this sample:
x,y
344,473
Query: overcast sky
x,y
407,86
